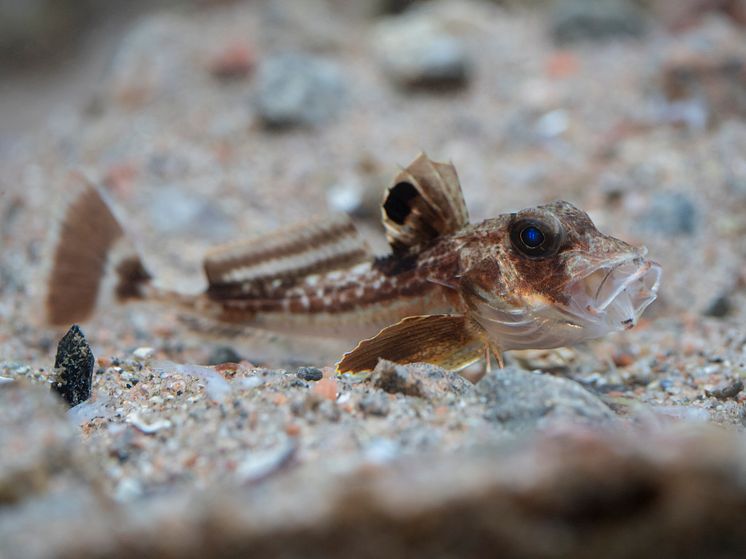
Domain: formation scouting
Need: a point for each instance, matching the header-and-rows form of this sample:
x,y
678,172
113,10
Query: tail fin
x,y
91,254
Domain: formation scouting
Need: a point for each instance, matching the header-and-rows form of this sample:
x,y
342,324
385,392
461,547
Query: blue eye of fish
x,y
532,237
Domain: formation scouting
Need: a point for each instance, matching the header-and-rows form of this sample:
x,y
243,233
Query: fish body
x,y
448,293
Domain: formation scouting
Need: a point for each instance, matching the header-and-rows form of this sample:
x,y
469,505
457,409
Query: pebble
x,y
419,380
235,61
416,52
523,401
298,90
223,354
74,367
720,307
143,353
597,20
148,427
310,373
725,390
671,213
375,404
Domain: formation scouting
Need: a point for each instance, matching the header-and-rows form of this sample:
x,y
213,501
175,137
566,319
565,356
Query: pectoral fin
x,y
449,341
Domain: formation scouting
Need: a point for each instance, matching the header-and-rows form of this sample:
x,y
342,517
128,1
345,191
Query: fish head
x,y
559,281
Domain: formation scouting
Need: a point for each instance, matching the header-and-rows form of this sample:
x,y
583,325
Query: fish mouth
x,y
612,296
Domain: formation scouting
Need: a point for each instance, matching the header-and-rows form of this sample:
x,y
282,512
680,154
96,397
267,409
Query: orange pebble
x,y
326,388
292,429
562,64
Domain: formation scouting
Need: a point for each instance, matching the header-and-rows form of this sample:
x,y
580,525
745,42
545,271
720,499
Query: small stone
x,y
327,389
223,354
143,353
235,61
725,390
148,427
310,374
596,20
298,90
523,401
720,307
74,367
671,213
416,51
420,380
396,379
375,403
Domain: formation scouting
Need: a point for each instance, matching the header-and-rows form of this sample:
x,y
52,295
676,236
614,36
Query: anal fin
x,y
449,341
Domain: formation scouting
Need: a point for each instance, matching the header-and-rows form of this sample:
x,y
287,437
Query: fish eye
x,y
534,238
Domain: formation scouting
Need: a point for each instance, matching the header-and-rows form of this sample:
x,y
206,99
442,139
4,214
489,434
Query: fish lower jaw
x,y
613,298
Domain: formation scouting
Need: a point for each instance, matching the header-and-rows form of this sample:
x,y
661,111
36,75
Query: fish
x,y
448,292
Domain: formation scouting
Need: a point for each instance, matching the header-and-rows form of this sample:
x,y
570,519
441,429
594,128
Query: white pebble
x,y
143,353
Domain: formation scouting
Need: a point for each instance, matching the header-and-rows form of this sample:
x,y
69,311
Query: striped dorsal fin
x,y
424,203
90,258
250,268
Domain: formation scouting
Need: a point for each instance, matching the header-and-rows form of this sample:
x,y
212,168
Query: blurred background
x,y
208,121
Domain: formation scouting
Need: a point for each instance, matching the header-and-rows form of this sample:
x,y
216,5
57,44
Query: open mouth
x,y
614,295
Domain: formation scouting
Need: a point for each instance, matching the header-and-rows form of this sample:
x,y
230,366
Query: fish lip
x,y
628,286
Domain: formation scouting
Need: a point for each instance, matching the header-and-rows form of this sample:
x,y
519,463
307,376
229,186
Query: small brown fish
x,y
448,293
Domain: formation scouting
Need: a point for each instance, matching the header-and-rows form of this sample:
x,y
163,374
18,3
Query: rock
x,y
415,51
725,390
310,374
143,353
596,20
74,368
720,307
375,404
298,90
235,61
671,213
223,354
524,401
419,380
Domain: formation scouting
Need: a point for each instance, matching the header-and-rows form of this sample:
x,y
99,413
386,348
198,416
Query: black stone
x,y
719,307
74,367
310,373
223,354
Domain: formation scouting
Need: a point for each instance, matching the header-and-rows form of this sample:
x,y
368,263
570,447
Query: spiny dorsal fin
x,y
90,254
450,341
424,203
245,268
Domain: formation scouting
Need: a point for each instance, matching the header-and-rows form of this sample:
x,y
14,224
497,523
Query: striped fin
x,y
90,256
249,268
424,203
449,341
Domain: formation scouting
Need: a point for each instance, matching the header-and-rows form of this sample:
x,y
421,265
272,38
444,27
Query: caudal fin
x,y
90,256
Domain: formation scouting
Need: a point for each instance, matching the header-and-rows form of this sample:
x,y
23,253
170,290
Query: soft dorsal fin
x,y
246,268
424,203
